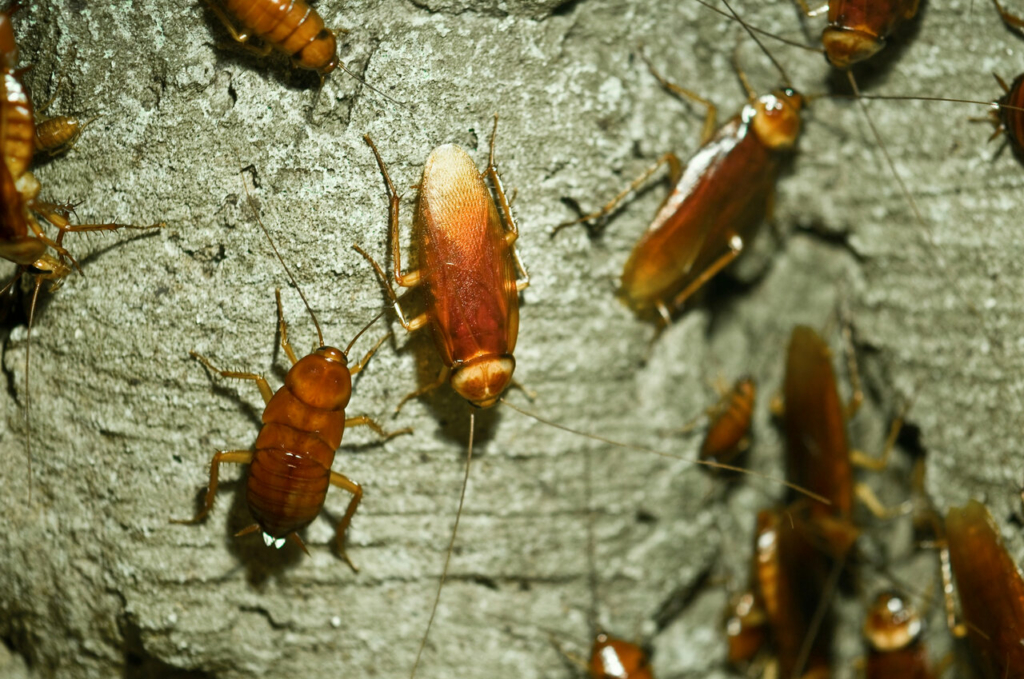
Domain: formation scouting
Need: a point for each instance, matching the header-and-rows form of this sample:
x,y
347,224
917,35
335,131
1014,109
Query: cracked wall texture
x,y
94,582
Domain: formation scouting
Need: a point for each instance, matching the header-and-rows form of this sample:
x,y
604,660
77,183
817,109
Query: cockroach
x,y
59,134
1008,115
291,27
893,631
290,468
818,455
22,240
746,626
793,579
728,433
472,275
613,658
716,203
858,29
991,591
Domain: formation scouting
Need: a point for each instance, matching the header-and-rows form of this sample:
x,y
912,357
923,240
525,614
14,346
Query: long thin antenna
x,y
451,546
768,34
360,333
893,97
252,205
369,86
750,31
703,463
28,396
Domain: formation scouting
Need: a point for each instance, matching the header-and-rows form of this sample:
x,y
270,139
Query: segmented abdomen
x,y
289,25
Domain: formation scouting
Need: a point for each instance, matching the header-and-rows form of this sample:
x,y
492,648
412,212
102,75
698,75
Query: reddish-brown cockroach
x,y
291,27
893,632
717,201
858,29
793,579
290,468
612,658
746,625
468,270
818,455
22,239
728,433
991,591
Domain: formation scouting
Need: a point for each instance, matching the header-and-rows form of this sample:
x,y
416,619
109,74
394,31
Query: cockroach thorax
x,y
777,118
892,624
845,47
483,380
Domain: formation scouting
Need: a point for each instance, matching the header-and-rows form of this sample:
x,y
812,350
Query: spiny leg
x,y
228,456
366,421
735,248
282,326
442,377
358,367
668,158
410,326
356,490
1011,20
711,114
407,280
260,381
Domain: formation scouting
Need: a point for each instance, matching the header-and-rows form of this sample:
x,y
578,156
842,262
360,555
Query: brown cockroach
x,y
858,29
728,433
303,423
991,591
59,134
613,658
716,203
893,631
22,239
469,270
791,577
291,27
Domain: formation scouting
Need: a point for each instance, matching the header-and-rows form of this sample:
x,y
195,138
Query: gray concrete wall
x,y
94,582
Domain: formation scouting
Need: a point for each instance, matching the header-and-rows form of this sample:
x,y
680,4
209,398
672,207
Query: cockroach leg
x,y
710,116
747,87
512,228
857,397
357,368
877,464
282,326
675,170
240,36
410,326
442,377
1011,20
294,537
811,13
222,456
345,483
735,248
407,280
260,381
367,421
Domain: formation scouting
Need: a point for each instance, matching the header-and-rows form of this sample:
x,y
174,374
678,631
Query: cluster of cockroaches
x,y
471,275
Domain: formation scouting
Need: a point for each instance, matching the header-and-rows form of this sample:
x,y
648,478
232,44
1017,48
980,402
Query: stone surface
x,y
94,582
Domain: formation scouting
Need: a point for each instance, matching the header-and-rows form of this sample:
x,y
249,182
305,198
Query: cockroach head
x,y
892,623
321,379
777,118
482,381
845,47
50,268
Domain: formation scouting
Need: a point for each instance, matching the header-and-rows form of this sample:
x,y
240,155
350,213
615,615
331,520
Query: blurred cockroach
x,y
858,29
22,239
1007,119
468,269
991,591
794,581
717,201
818,455
728,433
612,658
290,468
893,632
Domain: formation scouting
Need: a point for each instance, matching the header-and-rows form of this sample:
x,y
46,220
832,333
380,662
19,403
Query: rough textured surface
x,y
94,582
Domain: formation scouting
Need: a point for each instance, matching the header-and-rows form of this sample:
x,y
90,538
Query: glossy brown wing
x,y
817,456
724,191
466,263
613,658
1013,121
877,18
791,575
990,589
